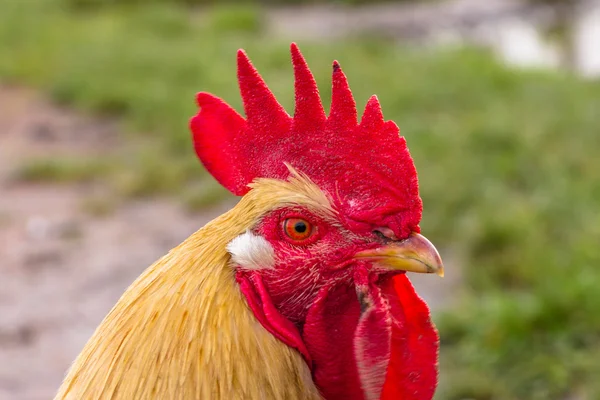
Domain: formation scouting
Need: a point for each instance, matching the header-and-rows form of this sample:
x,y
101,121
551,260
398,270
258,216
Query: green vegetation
x,y
508,164
61,170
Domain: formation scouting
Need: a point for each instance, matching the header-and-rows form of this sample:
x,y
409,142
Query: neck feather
x,y
183,330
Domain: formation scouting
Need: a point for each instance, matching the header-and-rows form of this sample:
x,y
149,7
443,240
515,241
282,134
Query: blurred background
x,y
499,101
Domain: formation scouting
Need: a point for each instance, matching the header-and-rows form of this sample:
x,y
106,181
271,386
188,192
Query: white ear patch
x,y
250,251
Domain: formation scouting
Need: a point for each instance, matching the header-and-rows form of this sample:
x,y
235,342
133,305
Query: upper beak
x,y
415,254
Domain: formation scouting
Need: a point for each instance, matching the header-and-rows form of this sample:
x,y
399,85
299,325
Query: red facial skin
x,y
382,346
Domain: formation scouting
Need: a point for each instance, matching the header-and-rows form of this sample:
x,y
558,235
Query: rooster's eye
x,y
297,229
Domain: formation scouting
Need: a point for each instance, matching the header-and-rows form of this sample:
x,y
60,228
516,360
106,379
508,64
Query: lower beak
x,y
415,254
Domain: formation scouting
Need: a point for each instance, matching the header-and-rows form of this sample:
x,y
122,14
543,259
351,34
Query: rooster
x,y
299,291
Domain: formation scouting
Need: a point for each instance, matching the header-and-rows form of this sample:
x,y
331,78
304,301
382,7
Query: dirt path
x,y
61,269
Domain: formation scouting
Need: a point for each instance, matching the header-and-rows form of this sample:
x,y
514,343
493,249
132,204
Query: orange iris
x,y
297,228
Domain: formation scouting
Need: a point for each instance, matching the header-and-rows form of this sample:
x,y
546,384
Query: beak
x,y
415,254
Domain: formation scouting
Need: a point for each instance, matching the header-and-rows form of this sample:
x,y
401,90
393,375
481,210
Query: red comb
x,y
366,168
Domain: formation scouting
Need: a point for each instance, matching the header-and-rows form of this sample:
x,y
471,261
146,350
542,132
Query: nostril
x,y
379,235
385,233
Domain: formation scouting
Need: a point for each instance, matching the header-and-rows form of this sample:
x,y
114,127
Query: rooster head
x,y
325,270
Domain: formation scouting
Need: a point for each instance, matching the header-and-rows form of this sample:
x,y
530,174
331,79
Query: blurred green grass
x,y
508,163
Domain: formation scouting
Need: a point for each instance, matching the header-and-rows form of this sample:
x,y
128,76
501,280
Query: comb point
x,y
260,103
204,98
336,66
242,57
309,109
343,106
373,116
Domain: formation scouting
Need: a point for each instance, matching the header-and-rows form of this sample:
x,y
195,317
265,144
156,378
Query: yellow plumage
x,y
183,329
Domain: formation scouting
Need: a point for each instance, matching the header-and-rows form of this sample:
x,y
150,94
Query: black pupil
x,y
300,227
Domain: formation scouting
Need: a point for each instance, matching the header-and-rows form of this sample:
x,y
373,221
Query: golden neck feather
x,y
183,330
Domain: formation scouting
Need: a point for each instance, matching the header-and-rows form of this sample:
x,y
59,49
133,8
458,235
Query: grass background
x,y
508,162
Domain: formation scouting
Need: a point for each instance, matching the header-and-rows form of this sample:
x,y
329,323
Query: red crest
x,y
365,167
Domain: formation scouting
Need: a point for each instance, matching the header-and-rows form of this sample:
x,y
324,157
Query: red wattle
x,y
328,334
385,351
260,303
413,369
372,340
